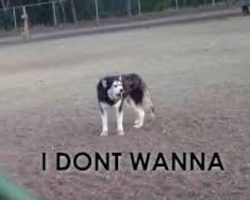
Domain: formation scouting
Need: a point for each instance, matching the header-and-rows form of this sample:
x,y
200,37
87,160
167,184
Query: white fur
x,y
119,116
139,111
115,90
140,121
104,116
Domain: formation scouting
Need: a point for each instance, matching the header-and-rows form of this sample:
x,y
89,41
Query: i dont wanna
x,y
148,161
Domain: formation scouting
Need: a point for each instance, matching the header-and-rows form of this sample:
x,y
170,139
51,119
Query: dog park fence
x,y
56,12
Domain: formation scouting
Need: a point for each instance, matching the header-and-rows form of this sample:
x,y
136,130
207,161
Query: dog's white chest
x,y
117,104
106,105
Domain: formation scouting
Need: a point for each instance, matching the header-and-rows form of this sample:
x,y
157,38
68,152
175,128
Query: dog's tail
x,y
147,102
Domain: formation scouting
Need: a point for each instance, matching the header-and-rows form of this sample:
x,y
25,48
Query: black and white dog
x,y
113,91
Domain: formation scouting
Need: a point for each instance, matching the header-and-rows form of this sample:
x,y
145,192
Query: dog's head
x,y
114,87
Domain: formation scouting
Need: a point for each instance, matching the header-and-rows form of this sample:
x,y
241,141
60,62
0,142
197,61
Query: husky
x,y
113,91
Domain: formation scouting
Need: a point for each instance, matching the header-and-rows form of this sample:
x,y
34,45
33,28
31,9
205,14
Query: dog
x,y
113,91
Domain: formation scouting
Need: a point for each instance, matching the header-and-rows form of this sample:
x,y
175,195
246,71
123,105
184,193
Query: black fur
x,y
134,87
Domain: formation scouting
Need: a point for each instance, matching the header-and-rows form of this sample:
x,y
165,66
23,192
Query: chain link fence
x,y
58,12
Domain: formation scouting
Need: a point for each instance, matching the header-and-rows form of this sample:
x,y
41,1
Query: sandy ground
x,y
199,77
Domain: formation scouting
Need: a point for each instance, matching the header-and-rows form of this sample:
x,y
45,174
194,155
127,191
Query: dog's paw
x,y
152,115
138,125
136,121
104,133
121,133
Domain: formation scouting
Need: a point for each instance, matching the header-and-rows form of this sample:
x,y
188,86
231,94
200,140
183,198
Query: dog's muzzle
x,y
120,94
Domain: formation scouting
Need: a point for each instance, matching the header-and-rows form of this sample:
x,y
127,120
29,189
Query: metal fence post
x,y
14,17
96,11
25,17
176,5
139,7
54,13
129,7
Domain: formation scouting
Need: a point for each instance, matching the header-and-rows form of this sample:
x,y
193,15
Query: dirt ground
x,y
199,76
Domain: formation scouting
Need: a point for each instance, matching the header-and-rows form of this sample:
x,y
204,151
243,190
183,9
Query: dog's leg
x,y
119,116
104,116
130,103
141,114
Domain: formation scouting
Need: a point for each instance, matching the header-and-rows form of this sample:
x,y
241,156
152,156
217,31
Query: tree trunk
x,y
3,3
63,11
7,3
73,9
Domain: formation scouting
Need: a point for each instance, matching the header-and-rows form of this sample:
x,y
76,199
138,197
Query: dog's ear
x,y
120,78
104,83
